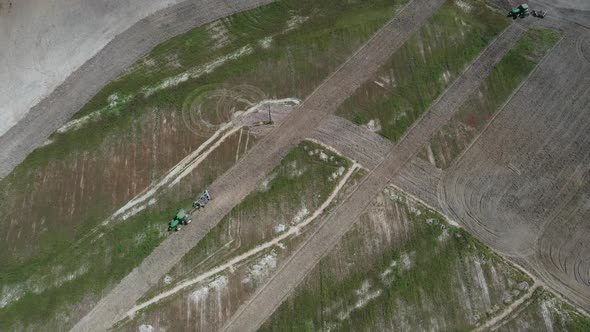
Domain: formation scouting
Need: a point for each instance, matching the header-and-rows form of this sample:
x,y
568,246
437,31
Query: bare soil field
x,y
369,149
516,187
45,41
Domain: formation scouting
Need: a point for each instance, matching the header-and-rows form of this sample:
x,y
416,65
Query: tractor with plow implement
x,y
183,217
521,11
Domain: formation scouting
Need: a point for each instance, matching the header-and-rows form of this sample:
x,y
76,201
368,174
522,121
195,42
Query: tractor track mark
x,y
418,179
535,215
262,304
233,186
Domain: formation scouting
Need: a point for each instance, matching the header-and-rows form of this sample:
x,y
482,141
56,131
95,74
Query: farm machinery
x,y
521,11
183,217
539,13
202,201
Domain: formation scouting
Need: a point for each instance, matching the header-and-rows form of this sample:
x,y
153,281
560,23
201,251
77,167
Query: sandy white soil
x,y
44,41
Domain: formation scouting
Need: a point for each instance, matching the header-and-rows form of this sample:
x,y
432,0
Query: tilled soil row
x,y
519,187
419,178
252,314
234,185
119,54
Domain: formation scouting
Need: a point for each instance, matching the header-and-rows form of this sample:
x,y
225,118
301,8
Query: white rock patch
x,y
218,33
407,260
547,316
364,296
10,293
115,100
464,6
446,76
201,294
265,42
197,71
338,173
280,228
300,215
374,125
146,328
262,268
167,280
295,21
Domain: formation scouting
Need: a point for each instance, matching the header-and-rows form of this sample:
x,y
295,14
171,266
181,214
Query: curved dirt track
x,y
53,111
522,186
253,313
242,178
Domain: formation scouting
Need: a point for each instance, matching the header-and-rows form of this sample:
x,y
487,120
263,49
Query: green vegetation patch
x,y
293,45
424,67
484,103
428,277
48,287
292,192
545,312
53,286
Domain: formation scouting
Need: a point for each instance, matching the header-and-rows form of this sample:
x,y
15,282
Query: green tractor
x,y
181,218
521,11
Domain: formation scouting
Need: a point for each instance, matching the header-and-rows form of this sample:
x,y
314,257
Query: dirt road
x,y
234,186
419,178
55,110
253,313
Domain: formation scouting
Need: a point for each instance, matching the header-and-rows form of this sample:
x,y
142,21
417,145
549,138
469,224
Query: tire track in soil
x,y
535,216
418,178
119,54
232,187
260,306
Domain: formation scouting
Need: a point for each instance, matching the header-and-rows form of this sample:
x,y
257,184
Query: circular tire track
x,y
208,108
524,186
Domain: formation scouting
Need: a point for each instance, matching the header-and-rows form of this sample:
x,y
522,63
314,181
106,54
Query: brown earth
x,y
234,185
418,178
520,186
